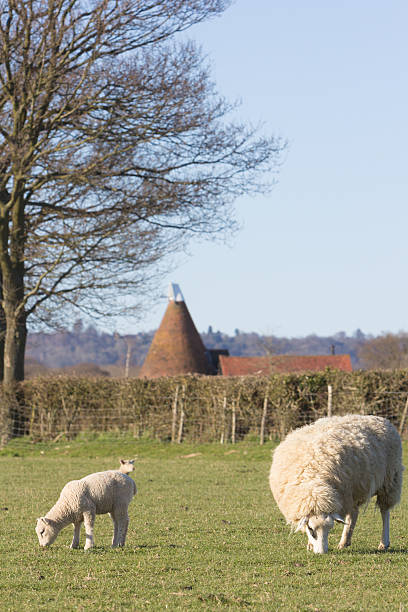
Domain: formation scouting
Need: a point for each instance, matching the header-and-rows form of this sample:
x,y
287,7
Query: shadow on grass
x,y
145,546
390,551
369,551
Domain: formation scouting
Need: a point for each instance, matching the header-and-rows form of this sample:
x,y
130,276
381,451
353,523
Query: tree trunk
x,y
13,396
15,320
14,349
12,257
2,340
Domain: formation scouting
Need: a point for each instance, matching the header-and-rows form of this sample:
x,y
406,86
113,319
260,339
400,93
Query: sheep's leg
x,y
351,520
115,529
124,528
385,536
75,539
121,527
89,520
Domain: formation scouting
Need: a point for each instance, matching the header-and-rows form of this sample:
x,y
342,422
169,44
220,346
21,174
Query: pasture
x,y
204,534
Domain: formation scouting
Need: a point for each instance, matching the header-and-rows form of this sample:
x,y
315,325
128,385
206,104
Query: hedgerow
x,y
200,408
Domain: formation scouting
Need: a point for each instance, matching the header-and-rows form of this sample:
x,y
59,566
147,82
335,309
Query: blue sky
x,y
327,250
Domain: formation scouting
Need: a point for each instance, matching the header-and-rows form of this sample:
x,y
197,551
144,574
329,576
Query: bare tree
x,y
114,149
385,352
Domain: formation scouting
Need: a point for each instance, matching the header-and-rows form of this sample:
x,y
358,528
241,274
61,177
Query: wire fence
x,y
197,409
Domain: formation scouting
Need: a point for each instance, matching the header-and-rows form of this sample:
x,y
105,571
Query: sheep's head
x,y
46,531
126,465
317,529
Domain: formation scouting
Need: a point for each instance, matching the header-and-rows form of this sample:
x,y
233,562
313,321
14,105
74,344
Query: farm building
x,y
282,364
177,348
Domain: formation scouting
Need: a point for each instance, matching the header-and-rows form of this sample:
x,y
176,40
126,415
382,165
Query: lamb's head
x,y
317,529
126,465
46,530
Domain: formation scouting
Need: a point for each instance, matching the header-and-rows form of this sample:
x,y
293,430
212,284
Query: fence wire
x,y
225,414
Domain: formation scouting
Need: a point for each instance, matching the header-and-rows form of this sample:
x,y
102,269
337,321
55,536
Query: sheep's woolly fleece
x,y
334,464
80,500
105,490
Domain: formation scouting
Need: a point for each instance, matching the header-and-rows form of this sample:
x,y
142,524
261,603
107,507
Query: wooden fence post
x,y
233,422
224,407
263,420
181,422
174,416
404,416
329,400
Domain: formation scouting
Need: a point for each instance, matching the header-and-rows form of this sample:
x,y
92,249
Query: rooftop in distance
x,y
177,348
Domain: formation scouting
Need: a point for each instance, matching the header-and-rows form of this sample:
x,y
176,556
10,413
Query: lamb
x,y
324,472
126,466
80,500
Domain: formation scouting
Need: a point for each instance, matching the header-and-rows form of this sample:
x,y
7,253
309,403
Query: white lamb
x,y
324,472
126,466
81,500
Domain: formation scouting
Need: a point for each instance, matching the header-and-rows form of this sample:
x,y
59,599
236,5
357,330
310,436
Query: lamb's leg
x,y
115,529
122,523
89,520
351,520
75,539
124,528
385,536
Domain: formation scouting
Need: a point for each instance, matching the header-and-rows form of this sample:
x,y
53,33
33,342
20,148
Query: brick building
x,y
282,364
177,348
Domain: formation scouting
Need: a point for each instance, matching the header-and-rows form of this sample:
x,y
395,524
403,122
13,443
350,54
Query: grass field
x,y
204,534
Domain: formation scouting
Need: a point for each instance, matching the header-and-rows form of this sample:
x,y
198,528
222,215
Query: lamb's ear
x,y
301,523
338,518
122,461
43,520
132,461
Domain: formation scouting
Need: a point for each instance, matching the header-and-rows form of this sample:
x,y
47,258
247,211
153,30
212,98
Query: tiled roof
x,y
177,347
282,364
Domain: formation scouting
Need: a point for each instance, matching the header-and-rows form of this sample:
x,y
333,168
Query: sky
x,y
327,249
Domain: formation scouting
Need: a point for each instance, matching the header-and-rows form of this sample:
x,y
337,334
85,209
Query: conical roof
x,y
177,347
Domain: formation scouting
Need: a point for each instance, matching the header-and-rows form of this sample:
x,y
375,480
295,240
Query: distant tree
x,y
77,327
83,370
114,148
268,345
67,348
389,351
359,335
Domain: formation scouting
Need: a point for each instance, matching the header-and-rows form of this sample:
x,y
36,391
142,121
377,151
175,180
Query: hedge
x,y
198,408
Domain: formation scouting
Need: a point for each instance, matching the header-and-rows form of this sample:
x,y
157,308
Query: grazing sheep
x,y
126,466
81,500
324,472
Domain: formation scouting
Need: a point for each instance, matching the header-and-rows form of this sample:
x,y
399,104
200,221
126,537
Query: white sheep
x,y
81,500
324,472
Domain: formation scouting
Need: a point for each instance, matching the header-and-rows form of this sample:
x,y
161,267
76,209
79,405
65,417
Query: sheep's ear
x,y
43,520
301,523
122,461
131,461
338,518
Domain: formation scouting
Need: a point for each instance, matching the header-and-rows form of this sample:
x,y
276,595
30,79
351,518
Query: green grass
x,y
204,534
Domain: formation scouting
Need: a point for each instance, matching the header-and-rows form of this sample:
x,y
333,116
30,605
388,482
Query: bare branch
x,y
115,148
